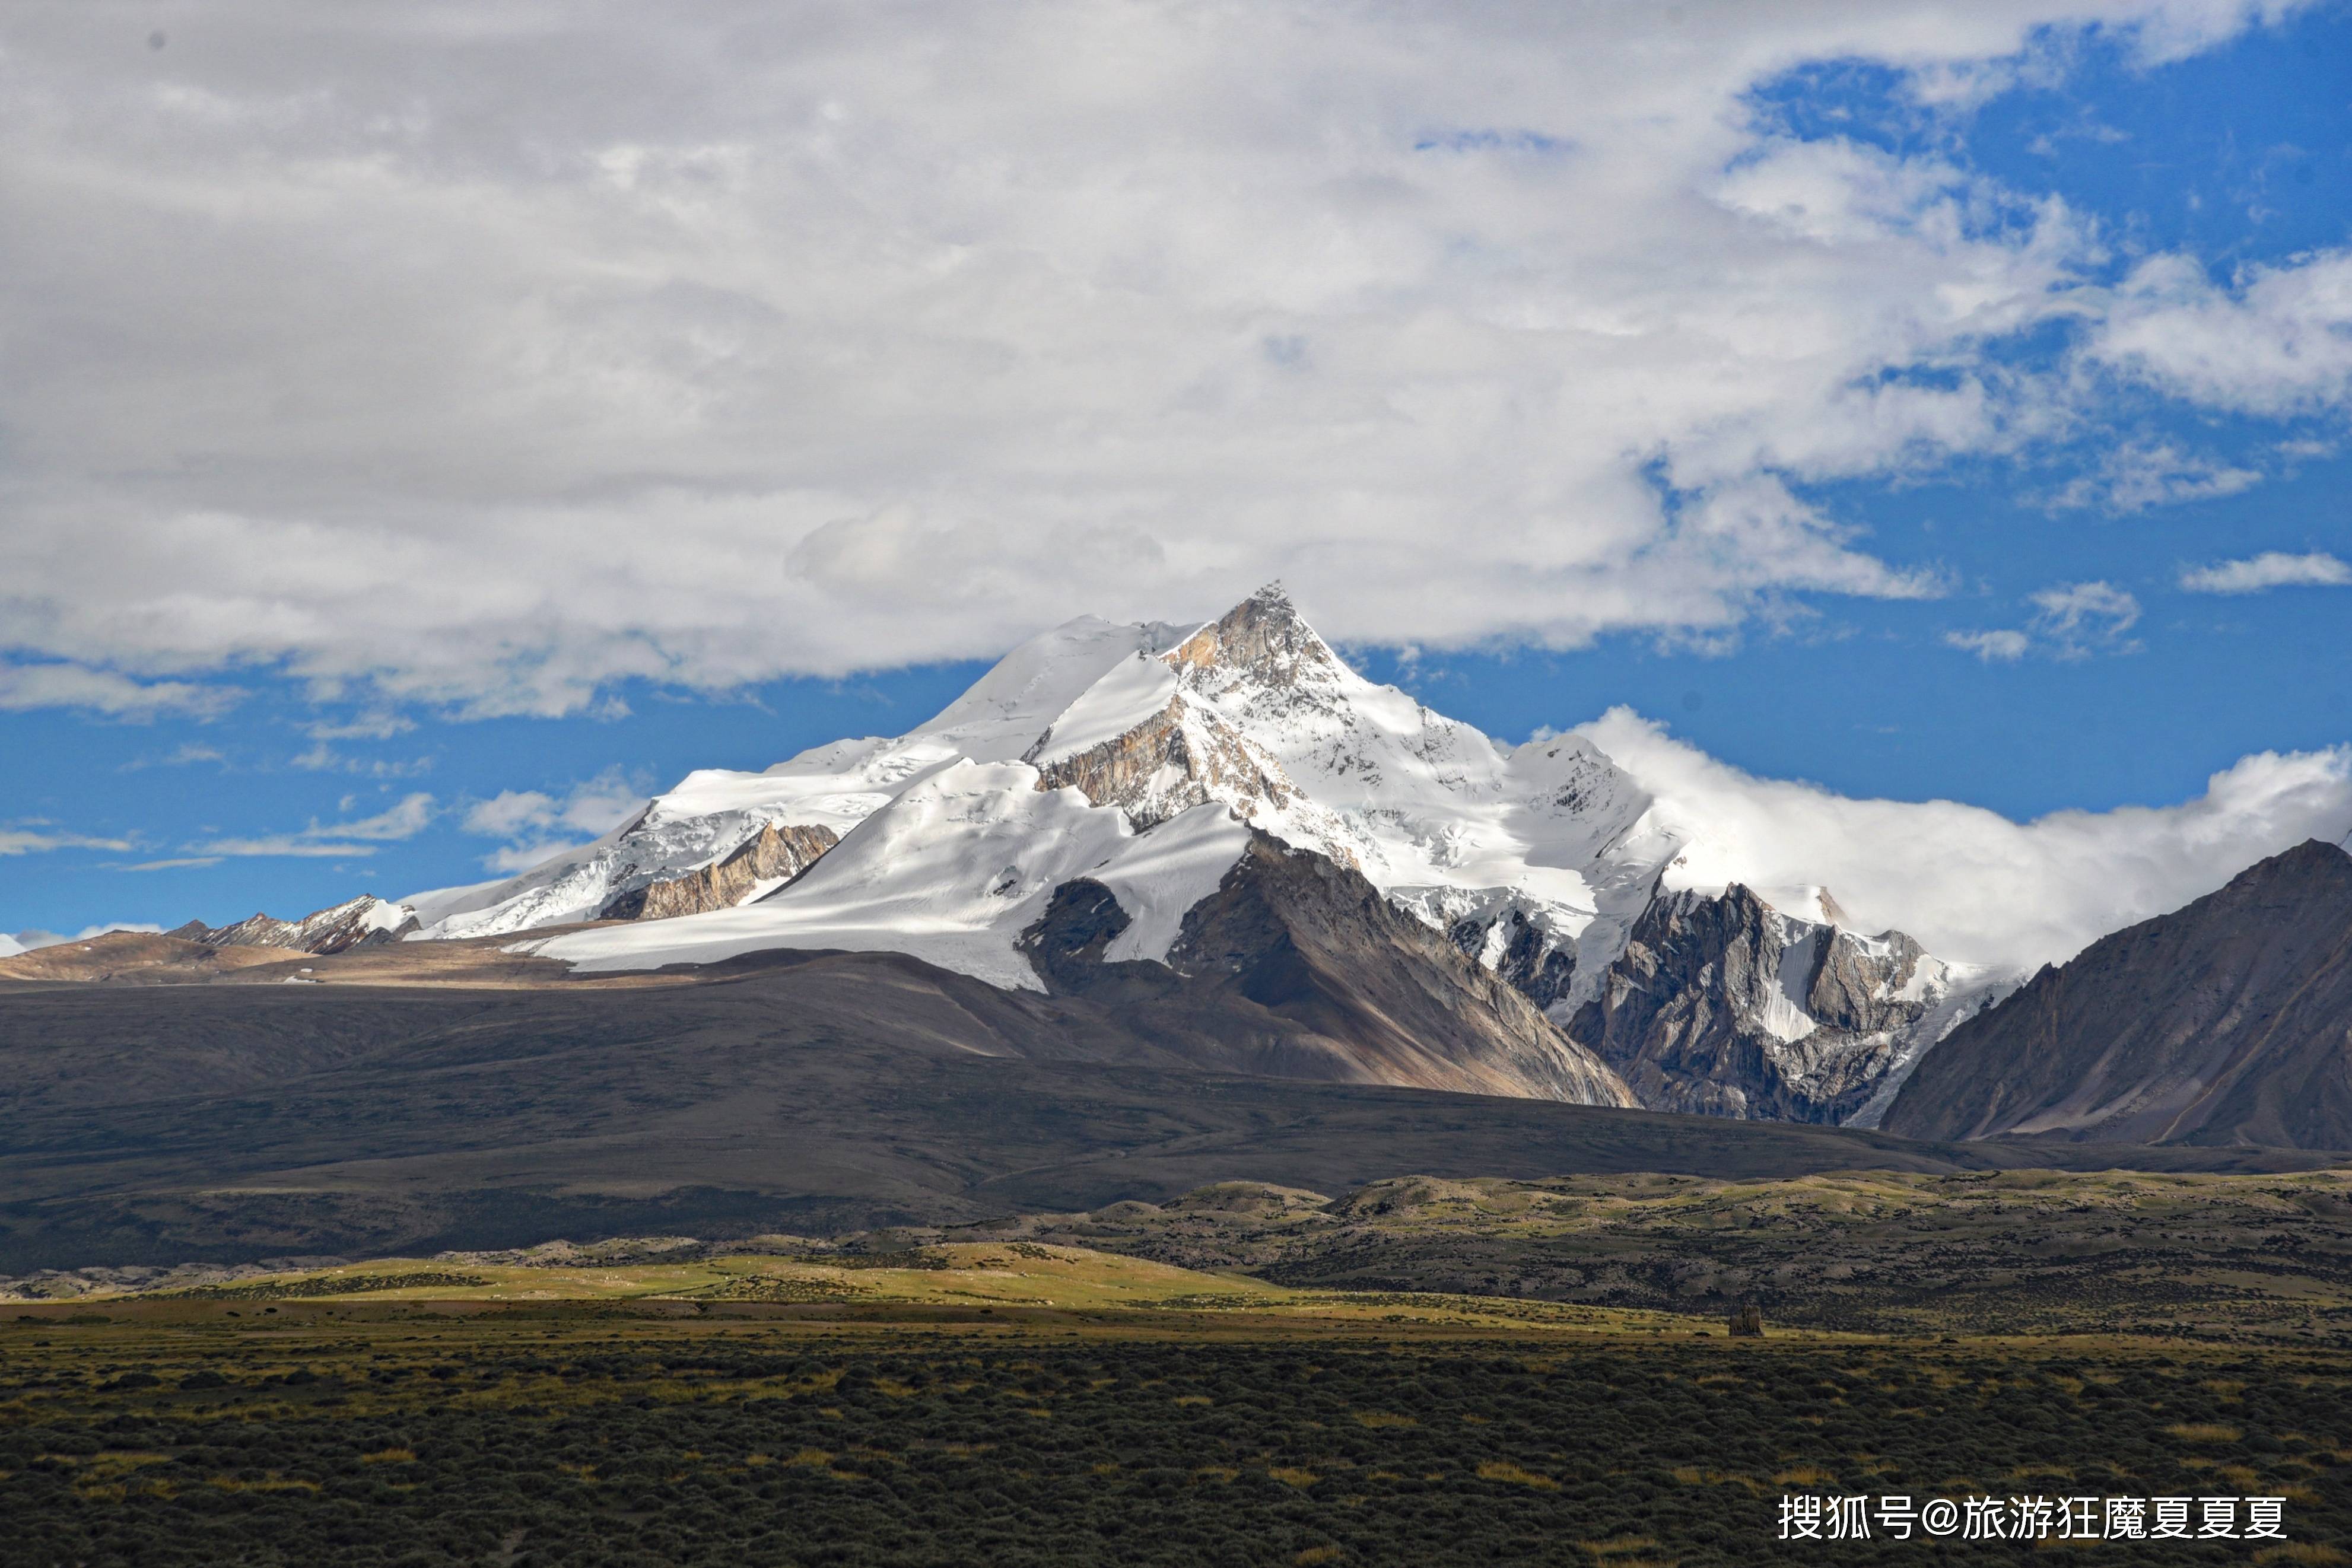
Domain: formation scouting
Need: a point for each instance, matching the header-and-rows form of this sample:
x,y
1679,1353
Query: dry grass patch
x,y
2204,1432
1503,1470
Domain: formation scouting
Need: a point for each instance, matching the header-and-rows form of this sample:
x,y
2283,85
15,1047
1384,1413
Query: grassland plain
x,y
2254,1257
1008,1401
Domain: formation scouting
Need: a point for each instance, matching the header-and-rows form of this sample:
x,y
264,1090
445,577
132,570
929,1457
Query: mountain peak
x,y
1262,636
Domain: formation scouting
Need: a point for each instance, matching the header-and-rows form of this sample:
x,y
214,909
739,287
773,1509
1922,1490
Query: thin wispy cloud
x,y
2135,478
24,687
38,838
2004,647
2069,621
328,841
2079,618
2272,568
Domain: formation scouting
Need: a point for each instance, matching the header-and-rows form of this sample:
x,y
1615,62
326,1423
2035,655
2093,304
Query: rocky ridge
x,y
362,922
1723,1006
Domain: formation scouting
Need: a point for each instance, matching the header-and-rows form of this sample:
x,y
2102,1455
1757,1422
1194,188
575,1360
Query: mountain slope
x,y
2227,1021
1295,967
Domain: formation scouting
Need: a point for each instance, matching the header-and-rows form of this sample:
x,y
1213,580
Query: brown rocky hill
x,y
2227,1021
1297,967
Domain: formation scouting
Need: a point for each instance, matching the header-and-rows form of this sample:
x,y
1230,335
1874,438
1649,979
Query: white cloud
x,y
2071,620
403,821
1969,883
593,807
2141,475
327,840
510,813
2005,646
2081,616
2272,568
26,839
364,340
521,857
375,726
2277,342
272,845
27,687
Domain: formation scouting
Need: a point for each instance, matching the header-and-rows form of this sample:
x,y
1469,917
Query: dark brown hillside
x,y
2227,1021
1297,967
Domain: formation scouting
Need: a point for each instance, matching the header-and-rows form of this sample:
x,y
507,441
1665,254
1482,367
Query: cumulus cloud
x,y
2272,568
368,341
2276,340
539,824
1969,883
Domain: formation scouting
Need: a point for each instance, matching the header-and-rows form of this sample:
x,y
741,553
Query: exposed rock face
x,y
1522,953
362,922
2226,1021
1172,762
777,850
1264,665
1725,1007
1299,967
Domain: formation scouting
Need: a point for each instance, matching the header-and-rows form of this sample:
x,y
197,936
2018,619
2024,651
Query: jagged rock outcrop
x,y
2226,1021
778,849
1297,967
1523,953
1723,1006
1171,763
362,922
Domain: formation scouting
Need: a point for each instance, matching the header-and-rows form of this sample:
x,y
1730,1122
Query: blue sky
x,y
1997,602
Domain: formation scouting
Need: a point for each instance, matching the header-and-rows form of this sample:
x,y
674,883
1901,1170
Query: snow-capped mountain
x,y
362,922
1148,759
